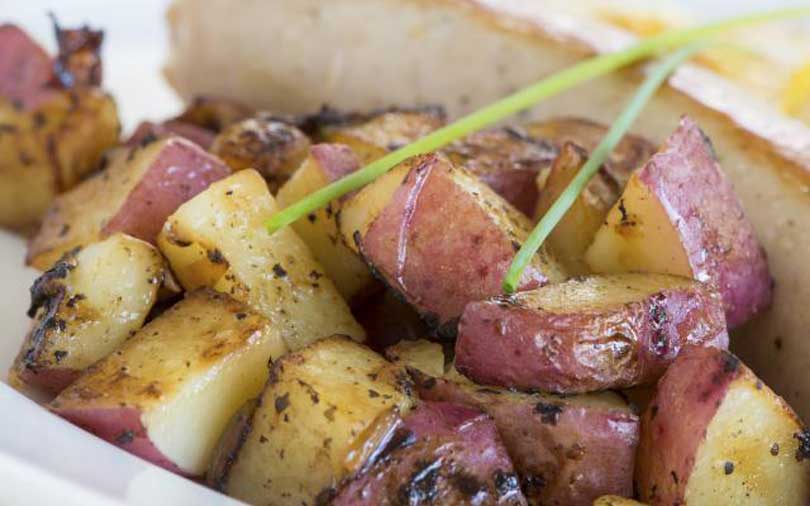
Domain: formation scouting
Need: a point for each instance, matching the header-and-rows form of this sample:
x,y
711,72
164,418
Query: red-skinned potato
x,y
148,131
167,394
715,434
588,334
440,453
134,195
508,160
324,164
25,68
85,306
566,450
679,215
440,237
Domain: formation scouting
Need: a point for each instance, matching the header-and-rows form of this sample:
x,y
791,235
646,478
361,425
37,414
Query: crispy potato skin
x,y
445,239
508,160
319,406
148,131
274,148
755,460
196,363
443,453
85,306
588,334
686,186
566,450
134,195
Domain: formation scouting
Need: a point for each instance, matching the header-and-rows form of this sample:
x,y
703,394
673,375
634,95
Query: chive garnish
x,y
522,99
614,135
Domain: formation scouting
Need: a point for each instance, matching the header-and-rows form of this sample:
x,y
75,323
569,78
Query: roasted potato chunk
x,y
615,500
440,237
85,306
214,113
679,215
715,434
422,355
25,68
167,394
217,239
325,164
134,195
374,135
588,334
148,131
274,148
566,450
317,408
48,149
508,160
440,453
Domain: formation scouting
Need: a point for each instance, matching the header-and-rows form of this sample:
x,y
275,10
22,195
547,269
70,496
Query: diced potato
x,y
25,67
325,164
566,450
167,394
48,149
441,238
318,408
715,434
214,113
588,334
134,195
85,306
508,160
422,355
388,320
376,134
615,500
440,453
679,215
274,148
148,131
218,239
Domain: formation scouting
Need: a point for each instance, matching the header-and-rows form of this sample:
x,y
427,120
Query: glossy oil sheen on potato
x,y
134,195
325,164
85,307
588,334
169,391
218,239
315,409
715,434
566,450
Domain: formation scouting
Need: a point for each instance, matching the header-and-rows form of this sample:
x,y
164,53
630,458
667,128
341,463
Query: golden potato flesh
x,y
218,239
422,355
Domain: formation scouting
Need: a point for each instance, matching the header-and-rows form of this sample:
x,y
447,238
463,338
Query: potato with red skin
x,y
167,393
679,215
508,160
567,451
148,131
441,453
441,238
85,306
588,334
134,195
25,67
715,434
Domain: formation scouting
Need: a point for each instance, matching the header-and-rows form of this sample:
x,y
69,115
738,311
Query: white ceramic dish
x,y
43,459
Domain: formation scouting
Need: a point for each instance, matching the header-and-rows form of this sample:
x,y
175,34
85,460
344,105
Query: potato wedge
x,y
134,195
715,434
325,164
441,238
588,334
316,409
85,306
48,149
147,132
615,500
508,160
373,135
566,450
274,148
217,239
192,367
679,215
441,453
423,355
